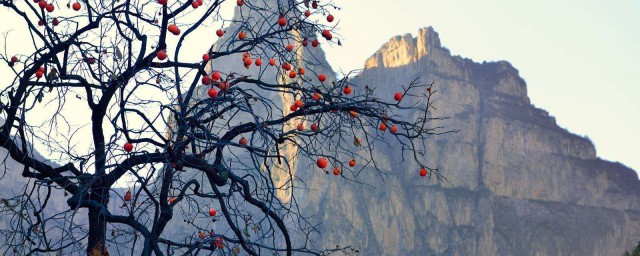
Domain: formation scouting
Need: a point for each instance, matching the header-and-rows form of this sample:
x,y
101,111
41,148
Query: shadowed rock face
x,y
518,183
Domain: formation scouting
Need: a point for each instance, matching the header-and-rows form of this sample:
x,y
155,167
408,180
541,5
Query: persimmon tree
x,y
109,95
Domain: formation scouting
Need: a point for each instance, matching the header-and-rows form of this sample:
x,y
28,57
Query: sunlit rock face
x,y
311,58
518,183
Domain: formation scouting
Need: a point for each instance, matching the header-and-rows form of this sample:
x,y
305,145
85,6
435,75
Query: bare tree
x,y
214,150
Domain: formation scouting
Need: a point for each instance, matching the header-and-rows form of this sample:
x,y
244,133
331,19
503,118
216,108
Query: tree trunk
x,y
97,229
147,249
97,221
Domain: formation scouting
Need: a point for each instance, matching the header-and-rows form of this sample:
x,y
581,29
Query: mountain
x,y
518,183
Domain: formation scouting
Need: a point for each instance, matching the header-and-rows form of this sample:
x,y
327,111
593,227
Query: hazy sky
x,y
580,59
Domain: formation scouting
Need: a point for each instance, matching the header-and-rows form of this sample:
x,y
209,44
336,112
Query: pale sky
x,y
580,59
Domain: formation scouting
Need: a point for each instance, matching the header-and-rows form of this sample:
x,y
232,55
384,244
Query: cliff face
x,y
518,183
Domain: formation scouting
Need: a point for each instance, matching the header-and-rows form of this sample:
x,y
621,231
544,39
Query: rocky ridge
x,y
518,183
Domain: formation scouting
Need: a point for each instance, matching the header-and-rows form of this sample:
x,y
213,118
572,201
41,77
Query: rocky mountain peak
x,y
402,50
518,183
